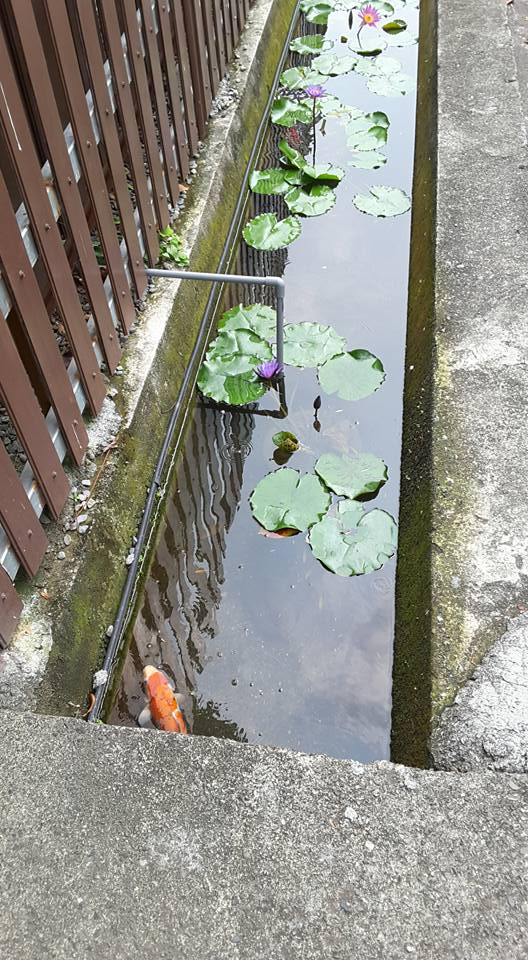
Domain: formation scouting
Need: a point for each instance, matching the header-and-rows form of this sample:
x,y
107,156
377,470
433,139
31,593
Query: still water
x,y
263,643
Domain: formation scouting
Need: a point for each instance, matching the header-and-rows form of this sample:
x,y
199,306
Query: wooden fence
x,y
102,106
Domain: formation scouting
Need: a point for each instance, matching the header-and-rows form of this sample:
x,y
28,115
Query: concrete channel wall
x,y
463,561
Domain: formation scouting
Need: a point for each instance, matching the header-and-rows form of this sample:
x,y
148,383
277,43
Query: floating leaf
x,y
237,351
319,13
310,344
297,78
352,477
272,181
257,317
368,160
278,534
285,499
286,112
395,26
384,77
406,39
369,46
307,45
352,375
386,9
331,65
321,172
266,233
312,202
292,156
368,131
286,441
383,202
354,542
236,390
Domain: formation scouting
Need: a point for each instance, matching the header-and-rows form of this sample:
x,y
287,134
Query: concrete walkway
x,y
128,844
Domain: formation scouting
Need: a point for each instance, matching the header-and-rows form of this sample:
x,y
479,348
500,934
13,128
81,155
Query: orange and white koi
x,y
163,710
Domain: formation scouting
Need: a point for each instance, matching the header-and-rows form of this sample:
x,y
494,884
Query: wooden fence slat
x,y
66,58
18,518
107,125
21,404
215,70
10,608
152,49
192,12
21,12
219,37
228,29
26,295
182,54
234,21
123,95
24,158
136,63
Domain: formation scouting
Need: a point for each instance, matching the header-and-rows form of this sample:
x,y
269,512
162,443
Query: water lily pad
x,y
352,476
286,441
312,202
405,39
237,351
323,173
368,160
310,344
383,202
291,156
285,499
331,65
395,26
368,131
317,12
235,390
307,45
353,542
352,375
286,112
297,78
384,77
369,46
272,181
265,232
257,317
386,9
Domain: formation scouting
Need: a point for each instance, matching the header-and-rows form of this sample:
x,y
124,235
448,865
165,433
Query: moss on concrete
x,y
82,616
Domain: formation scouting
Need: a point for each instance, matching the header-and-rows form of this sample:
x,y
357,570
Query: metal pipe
x,y
276,282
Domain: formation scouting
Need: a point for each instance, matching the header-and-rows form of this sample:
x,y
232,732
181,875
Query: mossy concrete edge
x,y
77,616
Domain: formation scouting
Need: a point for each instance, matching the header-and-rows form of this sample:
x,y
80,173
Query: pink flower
x,y
369,15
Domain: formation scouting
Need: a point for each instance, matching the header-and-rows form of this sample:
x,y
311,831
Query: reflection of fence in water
x,y
183,591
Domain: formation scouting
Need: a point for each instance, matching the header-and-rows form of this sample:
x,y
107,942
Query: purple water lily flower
x,y
315,91
369,15
269,370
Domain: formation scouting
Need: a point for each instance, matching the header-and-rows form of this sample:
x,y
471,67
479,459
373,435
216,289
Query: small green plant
x,y
171,248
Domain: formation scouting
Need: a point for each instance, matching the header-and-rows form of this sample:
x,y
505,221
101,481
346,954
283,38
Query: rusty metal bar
x,y
127,112
19,519
182,54
152,49
10,608
22,14
107,124
20,402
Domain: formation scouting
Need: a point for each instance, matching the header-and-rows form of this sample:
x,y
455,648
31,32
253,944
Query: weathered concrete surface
x,y
127,844
487,726
464,470
61,637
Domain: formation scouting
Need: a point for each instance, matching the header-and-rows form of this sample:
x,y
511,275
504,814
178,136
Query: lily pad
x,y
312,202
384,77
331,65
297,78
318,12
323,173
286,441
257,317
395,26
386,9
235,390
272,181
265,232
310,344
352,375
354,542
352,476
292,156
286,112
368,131
405,39
369,46
237,351
307,45
368,160
383,202
285,499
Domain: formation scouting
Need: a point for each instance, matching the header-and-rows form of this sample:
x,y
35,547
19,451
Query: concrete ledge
x,y
464,458
129,843
61,637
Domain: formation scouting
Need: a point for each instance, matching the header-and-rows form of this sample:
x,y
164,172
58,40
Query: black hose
x,y
114,645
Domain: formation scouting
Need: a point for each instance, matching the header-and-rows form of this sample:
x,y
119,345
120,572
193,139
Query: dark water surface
x,y
264,644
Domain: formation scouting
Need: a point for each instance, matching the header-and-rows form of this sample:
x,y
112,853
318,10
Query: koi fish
x,y
163,710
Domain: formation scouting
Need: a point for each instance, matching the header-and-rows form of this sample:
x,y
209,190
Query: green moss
x,y
90,605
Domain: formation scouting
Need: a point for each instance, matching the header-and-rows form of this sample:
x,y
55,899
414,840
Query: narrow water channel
x,y
263,643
